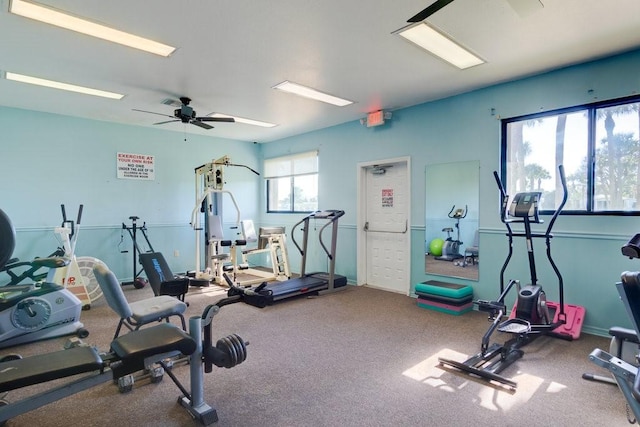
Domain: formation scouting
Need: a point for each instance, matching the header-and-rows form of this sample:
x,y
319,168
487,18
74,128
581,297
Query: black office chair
x,y
161,279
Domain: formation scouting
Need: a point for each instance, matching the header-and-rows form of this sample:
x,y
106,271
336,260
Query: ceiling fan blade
x,y
525,8
151,112
433,8
200,124
216,119
168,121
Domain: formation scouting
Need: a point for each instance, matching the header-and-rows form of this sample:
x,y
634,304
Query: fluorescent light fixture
x,y
440,45
307,92
63,20
64,86
245,121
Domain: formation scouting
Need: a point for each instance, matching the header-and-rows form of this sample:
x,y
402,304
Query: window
x,y
292,183
598,145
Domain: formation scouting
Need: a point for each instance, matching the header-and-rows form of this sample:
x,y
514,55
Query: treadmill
x,y
313,283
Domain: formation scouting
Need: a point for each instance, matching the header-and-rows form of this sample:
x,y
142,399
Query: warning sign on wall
x,y
136,166
387,197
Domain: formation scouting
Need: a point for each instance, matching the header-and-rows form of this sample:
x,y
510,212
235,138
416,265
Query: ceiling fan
x,y
187,114
522,7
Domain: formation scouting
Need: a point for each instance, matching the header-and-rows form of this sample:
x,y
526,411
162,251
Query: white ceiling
x,y
231,52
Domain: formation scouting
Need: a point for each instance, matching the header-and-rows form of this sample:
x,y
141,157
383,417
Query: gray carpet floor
x,y
359,357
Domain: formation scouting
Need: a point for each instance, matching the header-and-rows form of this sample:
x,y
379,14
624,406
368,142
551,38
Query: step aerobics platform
x,y
450,298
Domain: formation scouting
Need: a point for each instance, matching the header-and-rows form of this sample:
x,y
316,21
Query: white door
x,y
385,236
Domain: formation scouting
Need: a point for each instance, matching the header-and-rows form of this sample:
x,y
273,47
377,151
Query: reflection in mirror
x,y
451,220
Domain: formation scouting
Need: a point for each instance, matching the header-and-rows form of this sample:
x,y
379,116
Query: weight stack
x,y
450,298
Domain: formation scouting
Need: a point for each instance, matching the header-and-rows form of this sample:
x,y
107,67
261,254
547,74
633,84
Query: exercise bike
x,y
36,311
77,275
451,248
532,316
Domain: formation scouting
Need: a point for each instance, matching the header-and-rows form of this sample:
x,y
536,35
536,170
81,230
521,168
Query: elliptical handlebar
x,y
565,196
504,198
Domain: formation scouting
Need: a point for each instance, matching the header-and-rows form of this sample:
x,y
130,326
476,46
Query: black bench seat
x,y
37,369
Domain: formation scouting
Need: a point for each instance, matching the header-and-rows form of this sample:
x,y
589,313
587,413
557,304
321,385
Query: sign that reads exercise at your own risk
x,y
136,166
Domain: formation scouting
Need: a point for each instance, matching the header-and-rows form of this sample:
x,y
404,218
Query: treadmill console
x,y
329,214
525,205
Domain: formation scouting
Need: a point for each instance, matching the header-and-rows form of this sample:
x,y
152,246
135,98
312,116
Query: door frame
x,y
361,235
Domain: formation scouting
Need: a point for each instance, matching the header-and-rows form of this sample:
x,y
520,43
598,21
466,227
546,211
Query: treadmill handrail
x,y
331,215
332,220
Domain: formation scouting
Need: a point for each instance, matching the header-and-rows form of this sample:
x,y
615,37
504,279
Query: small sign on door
x,y
387,197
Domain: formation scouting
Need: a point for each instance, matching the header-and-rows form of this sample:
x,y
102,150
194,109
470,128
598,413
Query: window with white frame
x,y
292,183
598,145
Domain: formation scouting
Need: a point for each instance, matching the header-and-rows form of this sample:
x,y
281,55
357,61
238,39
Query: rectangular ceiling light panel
x,y
58,85
245,121
440,45
63,20
308,92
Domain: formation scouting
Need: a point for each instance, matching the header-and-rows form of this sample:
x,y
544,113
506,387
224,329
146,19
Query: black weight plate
x,y
230,351
242,348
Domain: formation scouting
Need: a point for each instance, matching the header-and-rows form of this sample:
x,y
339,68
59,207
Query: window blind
x,y
295,164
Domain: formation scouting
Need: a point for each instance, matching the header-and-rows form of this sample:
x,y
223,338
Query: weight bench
x,y
131,353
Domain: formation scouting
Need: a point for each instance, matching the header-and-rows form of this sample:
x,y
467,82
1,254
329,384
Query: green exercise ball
x,y
435,247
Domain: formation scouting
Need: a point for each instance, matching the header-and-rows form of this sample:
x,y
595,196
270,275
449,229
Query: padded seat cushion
x,y
151,309
147,342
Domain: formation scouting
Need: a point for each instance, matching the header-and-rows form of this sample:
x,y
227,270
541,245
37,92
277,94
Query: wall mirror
x,y
451,219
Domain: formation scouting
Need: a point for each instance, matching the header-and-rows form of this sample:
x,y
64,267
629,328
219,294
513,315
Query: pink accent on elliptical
x,y
574,315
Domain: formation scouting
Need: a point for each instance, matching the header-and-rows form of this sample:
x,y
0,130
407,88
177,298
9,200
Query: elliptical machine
x,y
532,315
451,248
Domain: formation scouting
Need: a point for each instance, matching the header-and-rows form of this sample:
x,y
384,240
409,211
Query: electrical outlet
x,y
176,253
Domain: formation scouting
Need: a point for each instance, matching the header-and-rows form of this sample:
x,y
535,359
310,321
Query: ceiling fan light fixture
x,y
438,44
245,120
69,22
314,94
59,85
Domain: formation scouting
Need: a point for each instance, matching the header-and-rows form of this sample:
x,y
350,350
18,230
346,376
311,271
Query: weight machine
x,y
84,366
209,186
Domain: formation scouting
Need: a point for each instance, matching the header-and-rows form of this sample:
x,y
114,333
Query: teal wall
x,y
50,159
467,127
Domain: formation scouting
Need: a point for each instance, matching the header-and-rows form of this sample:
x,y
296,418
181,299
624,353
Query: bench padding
x,y
46,367
133,348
